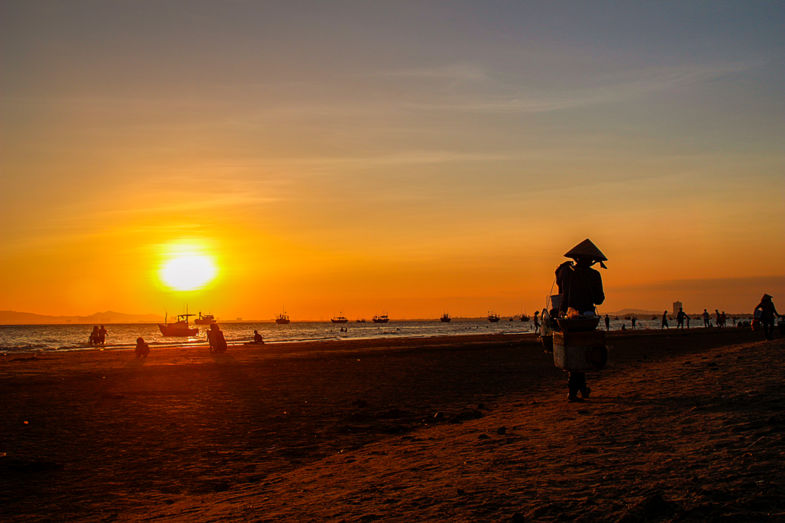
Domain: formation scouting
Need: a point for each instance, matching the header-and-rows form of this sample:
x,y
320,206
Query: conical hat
x,y
586,249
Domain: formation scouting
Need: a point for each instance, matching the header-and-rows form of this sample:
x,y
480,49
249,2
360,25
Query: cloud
x,y
611,88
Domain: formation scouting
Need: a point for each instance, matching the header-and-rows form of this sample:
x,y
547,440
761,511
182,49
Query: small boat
x,y
361,320
207,319
493,317
339,319
283,319
445,318
180,328
381,319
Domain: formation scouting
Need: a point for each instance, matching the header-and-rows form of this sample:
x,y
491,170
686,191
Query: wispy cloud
x,y
609,88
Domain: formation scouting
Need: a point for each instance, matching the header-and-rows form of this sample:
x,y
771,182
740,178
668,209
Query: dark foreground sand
x,y
681,426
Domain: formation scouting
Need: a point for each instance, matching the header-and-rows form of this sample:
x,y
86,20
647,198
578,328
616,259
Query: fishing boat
x,y
207,319
339,319
383,318
493,317
445,318
282,319
180,328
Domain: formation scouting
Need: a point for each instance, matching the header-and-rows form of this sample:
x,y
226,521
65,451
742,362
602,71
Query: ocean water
x,y
33,338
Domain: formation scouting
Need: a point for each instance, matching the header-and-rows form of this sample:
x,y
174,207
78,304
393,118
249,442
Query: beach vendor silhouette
x,y
580,288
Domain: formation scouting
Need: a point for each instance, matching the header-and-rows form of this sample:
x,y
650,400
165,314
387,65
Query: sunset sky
x,y
401,157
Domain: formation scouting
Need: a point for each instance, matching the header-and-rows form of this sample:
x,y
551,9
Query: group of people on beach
x,y
215,337
97,336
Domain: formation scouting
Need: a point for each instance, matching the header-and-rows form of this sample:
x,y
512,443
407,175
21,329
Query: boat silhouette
x,y
180,328
207,319
445,318
493,317
282,319
383,318
339,319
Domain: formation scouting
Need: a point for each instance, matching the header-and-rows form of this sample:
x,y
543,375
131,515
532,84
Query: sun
x,y
188,271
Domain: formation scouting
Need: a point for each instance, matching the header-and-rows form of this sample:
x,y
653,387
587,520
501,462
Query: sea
x,y
48,338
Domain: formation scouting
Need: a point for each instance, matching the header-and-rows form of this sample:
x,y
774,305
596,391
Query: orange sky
x,y
387,159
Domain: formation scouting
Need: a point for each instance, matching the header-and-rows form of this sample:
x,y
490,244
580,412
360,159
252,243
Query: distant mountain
x,y
106,317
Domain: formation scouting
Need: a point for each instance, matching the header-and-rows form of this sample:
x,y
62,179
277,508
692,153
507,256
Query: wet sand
x,y
682,425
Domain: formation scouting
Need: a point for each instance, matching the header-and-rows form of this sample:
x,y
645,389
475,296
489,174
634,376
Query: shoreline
x,y
99,434
375,341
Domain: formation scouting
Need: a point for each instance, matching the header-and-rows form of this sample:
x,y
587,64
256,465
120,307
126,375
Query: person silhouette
x,y
216,338
536,322
102,335
767,312
257,338
665,320
706,319
581,288
142,348
607,323
680,318
94,336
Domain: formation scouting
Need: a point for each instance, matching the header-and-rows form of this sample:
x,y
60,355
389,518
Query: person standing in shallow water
x,y
665,320
94,336
706,319
536,322
607,323
767,314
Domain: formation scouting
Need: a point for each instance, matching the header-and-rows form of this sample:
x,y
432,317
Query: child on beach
x,y
94,336
142,348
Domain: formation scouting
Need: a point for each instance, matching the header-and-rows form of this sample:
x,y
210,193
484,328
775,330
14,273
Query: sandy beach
x,y
681,425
